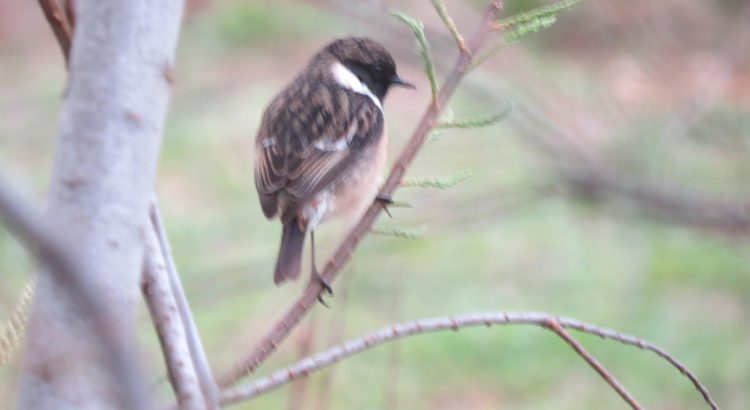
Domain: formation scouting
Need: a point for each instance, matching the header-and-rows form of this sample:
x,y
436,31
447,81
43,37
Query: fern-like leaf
x,y
423,48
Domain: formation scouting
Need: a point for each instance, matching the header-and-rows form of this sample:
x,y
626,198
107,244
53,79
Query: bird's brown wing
x,y
308,141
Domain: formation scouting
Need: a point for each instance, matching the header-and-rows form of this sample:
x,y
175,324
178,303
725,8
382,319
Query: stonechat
x,y
321,147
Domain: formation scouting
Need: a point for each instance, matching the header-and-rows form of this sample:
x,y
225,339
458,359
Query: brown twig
x,y
335,337
451,25
61,20
554,326
398,331
305,344
166,319
394,359
344,252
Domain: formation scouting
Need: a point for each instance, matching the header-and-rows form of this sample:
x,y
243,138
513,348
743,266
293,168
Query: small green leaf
x,y
448,21
438,183
478,122
423,48
400,232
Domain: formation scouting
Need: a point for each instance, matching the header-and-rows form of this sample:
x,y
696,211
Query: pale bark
x,y
110,130
166,317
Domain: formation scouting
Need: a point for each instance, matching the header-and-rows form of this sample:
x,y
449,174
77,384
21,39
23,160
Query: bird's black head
x,y
369,61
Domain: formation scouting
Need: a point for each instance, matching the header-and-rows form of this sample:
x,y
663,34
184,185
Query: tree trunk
x,y
103,176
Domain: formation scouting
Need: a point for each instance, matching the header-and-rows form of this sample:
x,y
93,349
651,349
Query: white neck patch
x,y
347,79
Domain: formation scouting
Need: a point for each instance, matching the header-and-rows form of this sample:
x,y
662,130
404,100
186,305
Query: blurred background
x,y
615,192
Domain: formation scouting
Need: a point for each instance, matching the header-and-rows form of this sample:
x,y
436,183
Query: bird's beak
x,y
396,80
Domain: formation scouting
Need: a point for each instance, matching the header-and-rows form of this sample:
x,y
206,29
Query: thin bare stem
x,y
166,319
335,336
308,299
198,354
398,331
443,13
555,326
305,345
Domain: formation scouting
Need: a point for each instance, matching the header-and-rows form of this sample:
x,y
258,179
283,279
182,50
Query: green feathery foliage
x,y
15,327
481,58
400,204
423,47
401,233
516,32
533,20
448,21
436,134
439,183
528,22
477,122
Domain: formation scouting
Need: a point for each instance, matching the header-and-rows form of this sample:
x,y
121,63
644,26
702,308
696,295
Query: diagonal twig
x,y
398,331
553,325
166,319
448,21
308,299
197,353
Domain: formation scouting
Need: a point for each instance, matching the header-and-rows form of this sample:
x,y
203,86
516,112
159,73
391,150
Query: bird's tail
x,y
288,263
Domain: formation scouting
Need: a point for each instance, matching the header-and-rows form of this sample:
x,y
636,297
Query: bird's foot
x,y
325,287
384,201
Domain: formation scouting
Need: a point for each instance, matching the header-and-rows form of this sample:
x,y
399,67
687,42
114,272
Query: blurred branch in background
x,y
69,276
393,332
336,330
304,346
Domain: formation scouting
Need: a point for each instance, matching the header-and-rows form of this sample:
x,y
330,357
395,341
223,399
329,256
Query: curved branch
x,y
406,329
308,299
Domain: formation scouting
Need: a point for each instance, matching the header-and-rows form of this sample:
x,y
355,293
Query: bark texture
x,y
110,130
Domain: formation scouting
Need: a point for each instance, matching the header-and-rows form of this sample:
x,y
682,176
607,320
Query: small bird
x,y
321,147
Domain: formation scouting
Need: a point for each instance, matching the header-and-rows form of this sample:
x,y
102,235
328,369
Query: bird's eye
x,y
377,67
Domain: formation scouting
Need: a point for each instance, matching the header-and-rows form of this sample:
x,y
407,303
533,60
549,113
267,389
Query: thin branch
x,y
423,47
398,331
166,319
448,21
58,19
555,326
308,299
305,346
335,336
198,354
67,273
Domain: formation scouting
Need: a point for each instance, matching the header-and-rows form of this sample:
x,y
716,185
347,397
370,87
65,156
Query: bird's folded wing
x,y
301,166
